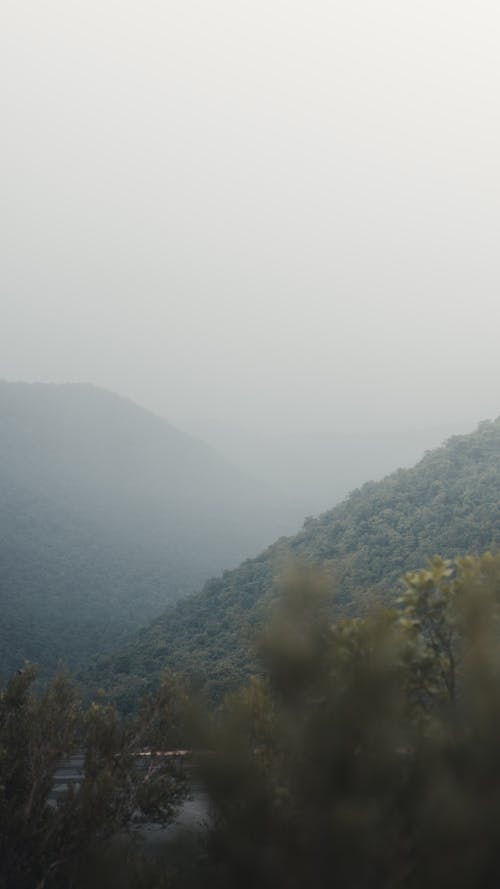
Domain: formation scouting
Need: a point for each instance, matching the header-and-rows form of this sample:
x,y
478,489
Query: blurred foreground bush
x,y
370,757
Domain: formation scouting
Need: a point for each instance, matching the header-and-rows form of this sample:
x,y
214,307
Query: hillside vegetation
x,y
366,757
448,503
107,513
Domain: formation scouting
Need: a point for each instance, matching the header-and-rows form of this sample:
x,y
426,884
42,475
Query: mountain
x,y
107,513
449,503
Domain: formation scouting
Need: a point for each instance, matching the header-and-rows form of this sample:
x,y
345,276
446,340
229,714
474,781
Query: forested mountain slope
x,y
107,513
449,503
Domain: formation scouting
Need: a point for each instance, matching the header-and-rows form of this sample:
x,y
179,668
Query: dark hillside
x,y
107,513
449,503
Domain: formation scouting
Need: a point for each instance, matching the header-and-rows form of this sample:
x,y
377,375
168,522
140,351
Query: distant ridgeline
x,y
107,514
449,503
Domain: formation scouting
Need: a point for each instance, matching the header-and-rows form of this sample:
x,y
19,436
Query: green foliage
x,y
365,756
35,733
448,503
370,758
42,843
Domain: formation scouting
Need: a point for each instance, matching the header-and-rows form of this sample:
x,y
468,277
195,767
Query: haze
x,y
277,215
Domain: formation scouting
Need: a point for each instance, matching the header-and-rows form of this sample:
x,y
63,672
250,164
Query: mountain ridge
x,y
449,503
107,512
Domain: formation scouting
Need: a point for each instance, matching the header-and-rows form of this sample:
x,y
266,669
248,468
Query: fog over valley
x,y
271,217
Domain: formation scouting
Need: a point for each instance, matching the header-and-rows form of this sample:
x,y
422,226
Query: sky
x,y
275,214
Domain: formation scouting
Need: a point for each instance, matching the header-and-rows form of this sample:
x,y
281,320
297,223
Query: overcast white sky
x,y
276,213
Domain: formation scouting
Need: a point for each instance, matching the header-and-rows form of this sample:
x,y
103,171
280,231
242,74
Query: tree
x,y
40,842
